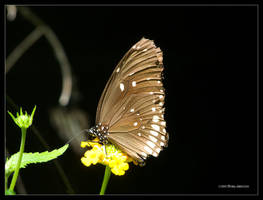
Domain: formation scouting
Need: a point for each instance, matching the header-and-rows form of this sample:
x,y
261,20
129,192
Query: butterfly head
x,y
99,131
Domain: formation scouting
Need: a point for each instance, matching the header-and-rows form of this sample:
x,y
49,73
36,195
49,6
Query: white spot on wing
x,y
146,148
135,123
155,154
118,69
122,87
161,143
155,127
132,110
133,83
155,118
153,109
163,123
162,138
152,138
143,154
158,150
154,133
151,144
139,134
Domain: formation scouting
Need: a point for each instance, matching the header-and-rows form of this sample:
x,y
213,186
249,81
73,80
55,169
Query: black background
x,y
210,60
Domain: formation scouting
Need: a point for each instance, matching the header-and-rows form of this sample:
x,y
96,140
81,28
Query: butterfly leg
x,y
105,151
90,147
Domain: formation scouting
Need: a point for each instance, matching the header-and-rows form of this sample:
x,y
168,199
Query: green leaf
x,y
13,116
30,158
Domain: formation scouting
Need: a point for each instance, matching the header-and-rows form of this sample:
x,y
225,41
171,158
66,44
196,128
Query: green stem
x,y
6,180
22,145
105,180
44,143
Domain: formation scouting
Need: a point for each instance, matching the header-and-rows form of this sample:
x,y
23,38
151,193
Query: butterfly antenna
x,y
75,136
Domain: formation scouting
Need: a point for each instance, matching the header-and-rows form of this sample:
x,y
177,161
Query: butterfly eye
x,y
130,112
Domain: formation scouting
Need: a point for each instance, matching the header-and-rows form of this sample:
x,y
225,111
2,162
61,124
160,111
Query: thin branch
x,y
22,48
11,12
58,51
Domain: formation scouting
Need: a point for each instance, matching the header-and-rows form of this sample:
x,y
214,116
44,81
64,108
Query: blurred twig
x,y
11,12
45,30
42,28
43,142
22,48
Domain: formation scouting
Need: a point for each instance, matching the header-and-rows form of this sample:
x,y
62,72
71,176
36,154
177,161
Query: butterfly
x,y
130,112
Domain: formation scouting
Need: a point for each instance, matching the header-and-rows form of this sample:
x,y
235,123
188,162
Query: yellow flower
x,y
118,164
106,155
92,157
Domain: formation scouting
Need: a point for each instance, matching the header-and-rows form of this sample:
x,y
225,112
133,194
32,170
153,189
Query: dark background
x,y
210,60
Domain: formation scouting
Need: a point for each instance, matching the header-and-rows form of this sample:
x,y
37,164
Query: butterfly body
x,y
130,113
99,131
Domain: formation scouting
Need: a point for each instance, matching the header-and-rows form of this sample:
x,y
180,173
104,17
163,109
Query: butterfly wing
x,y
131,104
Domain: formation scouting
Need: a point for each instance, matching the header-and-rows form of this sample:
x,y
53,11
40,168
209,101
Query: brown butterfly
x,y
130,113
